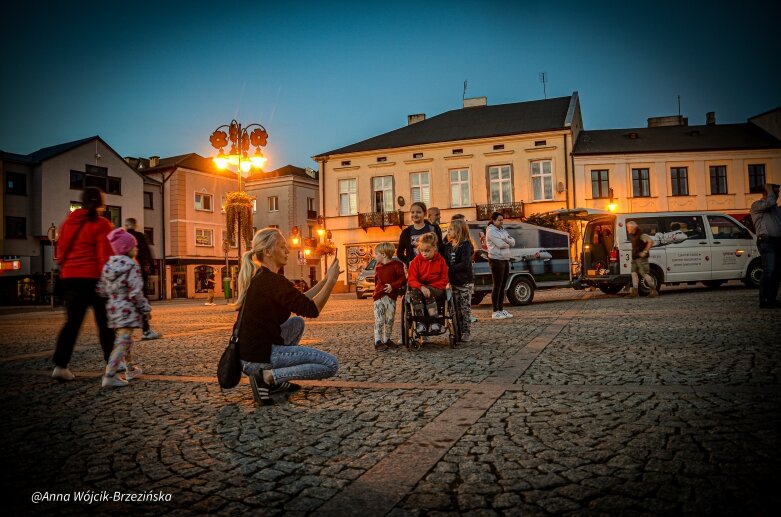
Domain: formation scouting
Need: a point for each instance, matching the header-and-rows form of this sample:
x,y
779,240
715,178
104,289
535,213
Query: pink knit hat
x,y
121,241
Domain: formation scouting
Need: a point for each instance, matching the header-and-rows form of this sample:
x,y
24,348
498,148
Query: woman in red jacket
x,y
82,251
427,280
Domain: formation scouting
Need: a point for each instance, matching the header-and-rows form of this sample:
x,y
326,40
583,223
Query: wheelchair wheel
x,y
453,323
407,325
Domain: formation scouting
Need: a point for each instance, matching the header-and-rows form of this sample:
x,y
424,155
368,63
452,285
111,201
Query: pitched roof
x,y
471,123
191,161
287,170
41,155
674,139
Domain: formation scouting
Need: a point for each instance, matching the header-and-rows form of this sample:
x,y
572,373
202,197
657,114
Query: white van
x,y
689,247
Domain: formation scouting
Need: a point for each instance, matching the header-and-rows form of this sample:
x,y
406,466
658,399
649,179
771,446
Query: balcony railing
x,y
311,215
380,220
508,210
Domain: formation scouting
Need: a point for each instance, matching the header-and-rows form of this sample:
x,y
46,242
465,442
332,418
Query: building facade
x,y
288,198
512,158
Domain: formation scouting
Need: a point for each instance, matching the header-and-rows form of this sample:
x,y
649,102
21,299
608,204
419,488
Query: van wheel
x,y
753,274
521,291
478,297
713,284
645,289
610,289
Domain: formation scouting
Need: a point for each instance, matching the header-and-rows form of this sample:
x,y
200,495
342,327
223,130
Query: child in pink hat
x,y
126,305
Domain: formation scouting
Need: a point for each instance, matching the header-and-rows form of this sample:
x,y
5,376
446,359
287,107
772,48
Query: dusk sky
x,y
156,78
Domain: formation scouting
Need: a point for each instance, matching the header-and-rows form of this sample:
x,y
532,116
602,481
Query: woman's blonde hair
x,y
429,238
264,239
460,231
386,248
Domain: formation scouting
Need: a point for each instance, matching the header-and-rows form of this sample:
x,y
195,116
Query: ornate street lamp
x,y
238,205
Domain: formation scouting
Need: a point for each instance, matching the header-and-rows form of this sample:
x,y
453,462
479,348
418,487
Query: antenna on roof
x,y
544,80
463,96
679,105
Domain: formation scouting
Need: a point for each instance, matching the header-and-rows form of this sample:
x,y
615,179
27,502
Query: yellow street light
x,y
307,252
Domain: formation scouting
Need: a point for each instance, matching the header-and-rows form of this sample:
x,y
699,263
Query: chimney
x,y
416,117
674,120
153,161
710,118
474,102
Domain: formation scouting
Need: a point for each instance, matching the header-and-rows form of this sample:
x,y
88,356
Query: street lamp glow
x,y
221,161
294,241
258,159
320,232
307,252
246,166
612,206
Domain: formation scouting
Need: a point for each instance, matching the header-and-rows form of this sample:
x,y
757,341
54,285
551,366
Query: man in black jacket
x,y
145,260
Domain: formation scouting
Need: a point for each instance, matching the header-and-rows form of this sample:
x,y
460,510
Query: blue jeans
x,y
770,251
292,361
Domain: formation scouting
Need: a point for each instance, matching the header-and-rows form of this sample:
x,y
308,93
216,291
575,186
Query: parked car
x,y
689,247
364,284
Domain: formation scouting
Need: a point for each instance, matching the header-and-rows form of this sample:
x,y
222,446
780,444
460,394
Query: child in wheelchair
x,y
427,280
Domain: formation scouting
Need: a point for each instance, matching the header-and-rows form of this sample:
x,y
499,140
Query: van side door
x,y
731,247
651,226
688,248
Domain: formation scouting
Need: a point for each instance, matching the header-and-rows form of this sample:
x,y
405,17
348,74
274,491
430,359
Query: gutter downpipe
x,y
163,282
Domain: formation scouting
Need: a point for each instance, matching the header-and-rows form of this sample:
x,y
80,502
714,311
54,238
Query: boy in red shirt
x,y
427,280
388,279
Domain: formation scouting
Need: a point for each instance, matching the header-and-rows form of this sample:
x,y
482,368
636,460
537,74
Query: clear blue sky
x,y
155,78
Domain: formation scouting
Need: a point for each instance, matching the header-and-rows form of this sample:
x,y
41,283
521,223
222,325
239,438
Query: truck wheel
x,y
753,274
478,297
521,291
645,289
610,289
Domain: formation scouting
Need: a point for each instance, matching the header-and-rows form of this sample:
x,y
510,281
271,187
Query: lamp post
x,y
52,235
240,139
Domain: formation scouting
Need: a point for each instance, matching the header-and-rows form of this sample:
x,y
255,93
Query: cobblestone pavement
x,y
582,404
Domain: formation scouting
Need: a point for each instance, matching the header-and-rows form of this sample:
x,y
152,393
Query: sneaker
x,y
151,334
260,391
284,386
391,344
113,382
379,346
465,337
436,327
498,315
420,328
62,374
133,372
507,314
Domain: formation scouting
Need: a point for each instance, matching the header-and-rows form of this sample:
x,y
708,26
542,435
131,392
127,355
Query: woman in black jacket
x,y
407,248
268,337
458,254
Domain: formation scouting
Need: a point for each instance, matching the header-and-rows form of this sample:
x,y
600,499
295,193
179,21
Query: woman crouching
x,y
268,337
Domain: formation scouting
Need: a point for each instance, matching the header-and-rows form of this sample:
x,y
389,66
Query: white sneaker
x,y
507,314
151,334
133,372
436,327
113,382
62,374
498,315
421,328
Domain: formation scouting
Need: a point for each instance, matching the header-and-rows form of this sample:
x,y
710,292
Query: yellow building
x,y
512,158
671,166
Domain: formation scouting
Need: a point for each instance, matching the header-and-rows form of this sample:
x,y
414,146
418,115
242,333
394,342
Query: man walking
x,y
641,248
766,216
145,260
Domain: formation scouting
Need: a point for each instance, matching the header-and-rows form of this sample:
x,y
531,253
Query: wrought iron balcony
x,y
508,210
311,215
380,220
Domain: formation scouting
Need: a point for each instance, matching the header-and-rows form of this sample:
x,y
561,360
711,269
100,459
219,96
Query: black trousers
x,y
79,295
419,303
145,317
500,271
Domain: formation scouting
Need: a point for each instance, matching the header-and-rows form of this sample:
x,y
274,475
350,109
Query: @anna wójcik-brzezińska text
x,y
103,496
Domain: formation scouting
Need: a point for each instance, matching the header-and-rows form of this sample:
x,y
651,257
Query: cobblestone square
x,y
582,404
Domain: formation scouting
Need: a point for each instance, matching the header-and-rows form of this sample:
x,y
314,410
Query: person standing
x,y
499,243
268,337
389,277
408,240
123,286
210,289
641,248
434,216
458,253
83,249
146,261
766,216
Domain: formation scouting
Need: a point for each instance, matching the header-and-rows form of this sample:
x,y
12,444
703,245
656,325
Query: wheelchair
x,y
447,317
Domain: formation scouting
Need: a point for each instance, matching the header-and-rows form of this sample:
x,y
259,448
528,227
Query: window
x,y
345,163
540,143
114,186
718,179
500,184
203,202
233,242
95,181
498,147
419,187
382,190
641,183
600,184
458,151
310,203
148,201
15,227
459,188
149,234
679,177
94,169
75,205
725,229
15,183
77,180
382,158
204,237
648,225
254,206
756,177
273,204
542,180
415,156
114,214
691,225
202,274
348,197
